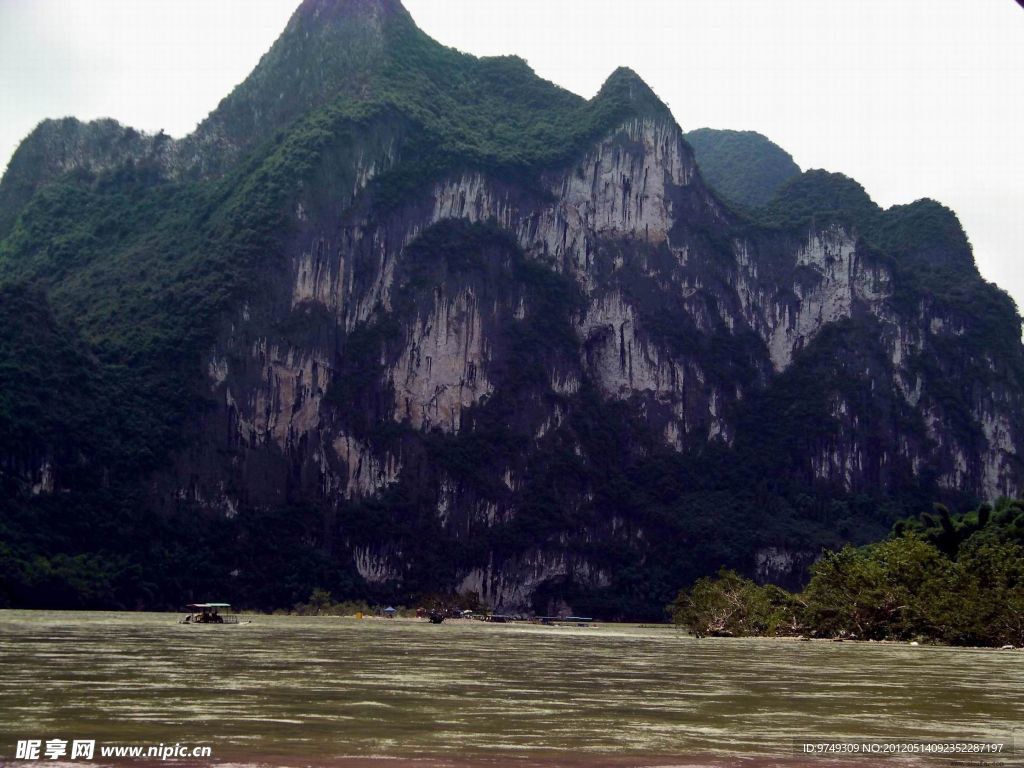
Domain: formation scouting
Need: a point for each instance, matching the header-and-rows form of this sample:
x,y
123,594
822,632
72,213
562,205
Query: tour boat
x,y
209,613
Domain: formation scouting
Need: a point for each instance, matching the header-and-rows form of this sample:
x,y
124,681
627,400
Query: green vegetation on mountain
x,y
923,240
820,197
746,168
491,112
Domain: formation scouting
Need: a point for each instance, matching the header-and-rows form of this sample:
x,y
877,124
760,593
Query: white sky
x,y
912,98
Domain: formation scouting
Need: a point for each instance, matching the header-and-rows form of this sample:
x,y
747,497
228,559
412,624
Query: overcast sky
x,y
912,98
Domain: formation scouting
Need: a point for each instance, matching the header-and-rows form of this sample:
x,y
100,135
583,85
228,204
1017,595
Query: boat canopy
x,y
208,605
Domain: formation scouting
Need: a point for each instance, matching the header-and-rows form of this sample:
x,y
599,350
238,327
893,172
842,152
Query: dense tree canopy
x,y
955,580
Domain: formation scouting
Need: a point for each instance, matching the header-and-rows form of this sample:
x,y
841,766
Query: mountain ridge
x,y
747,168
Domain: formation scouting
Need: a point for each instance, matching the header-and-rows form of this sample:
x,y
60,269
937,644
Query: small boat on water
x,y
209,613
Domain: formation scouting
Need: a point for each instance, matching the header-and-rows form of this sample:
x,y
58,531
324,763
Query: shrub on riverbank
x,y
728,604
953,580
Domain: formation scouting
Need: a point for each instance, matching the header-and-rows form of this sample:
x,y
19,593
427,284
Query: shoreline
x,y
251,617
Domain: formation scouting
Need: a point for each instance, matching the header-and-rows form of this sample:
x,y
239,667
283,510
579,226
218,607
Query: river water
x,y
296,691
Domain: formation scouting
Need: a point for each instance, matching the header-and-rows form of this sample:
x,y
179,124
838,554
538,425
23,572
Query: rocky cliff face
x,y
585,382
619,226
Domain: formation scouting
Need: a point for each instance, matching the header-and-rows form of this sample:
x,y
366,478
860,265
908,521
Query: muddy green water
x,y
320,688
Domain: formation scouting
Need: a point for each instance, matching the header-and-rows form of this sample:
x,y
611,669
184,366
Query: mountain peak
x,y
329,49
626,75
321,11
625,85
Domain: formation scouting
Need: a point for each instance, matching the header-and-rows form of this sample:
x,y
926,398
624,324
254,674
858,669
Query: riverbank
x,y
616,625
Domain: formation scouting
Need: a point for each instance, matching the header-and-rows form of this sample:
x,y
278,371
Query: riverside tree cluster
x,y
956,580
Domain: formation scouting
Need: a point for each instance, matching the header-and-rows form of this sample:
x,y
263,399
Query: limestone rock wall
x,y
623,224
